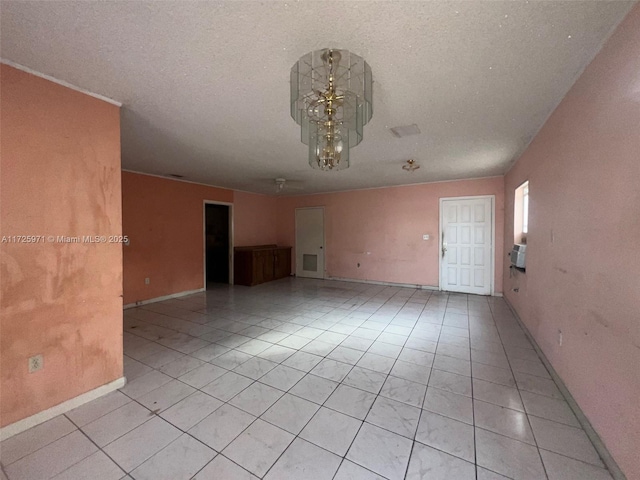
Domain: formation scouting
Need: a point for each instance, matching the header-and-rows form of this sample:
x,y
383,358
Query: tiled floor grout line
x,y
376,395
296,436
473,399
370,407
521,399
256,355
239,433
309,372
187,432
385,380
64,436
361,306
286,392
78,429
396,358
224,403
413,443
220,453
473,404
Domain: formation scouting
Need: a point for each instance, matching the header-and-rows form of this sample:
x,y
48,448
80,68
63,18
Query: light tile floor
x,y
305,379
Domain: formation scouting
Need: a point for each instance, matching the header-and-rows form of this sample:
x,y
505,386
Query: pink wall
x,y
388,223
255,219
164,221
60,162
583,257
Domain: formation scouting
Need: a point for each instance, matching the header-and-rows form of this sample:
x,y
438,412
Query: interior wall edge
x,y
60,82
384,187
64,407
182,180
595,439
163,298
388,284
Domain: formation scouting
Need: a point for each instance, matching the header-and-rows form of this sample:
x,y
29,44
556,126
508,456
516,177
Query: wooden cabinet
x,y
282,262
260,264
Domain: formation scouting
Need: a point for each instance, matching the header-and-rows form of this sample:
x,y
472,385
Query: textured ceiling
x,y
205,85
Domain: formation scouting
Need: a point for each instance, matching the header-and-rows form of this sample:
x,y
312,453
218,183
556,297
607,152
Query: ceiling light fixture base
x,y
411,166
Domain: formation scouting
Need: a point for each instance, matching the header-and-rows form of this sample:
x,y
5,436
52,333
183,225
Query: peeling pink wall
x,y
583,253
254,219
388,223
164,221
60,163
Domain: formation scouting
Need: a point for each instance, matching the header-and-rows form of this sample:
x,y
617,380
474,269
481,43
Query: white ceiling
x,y
205,85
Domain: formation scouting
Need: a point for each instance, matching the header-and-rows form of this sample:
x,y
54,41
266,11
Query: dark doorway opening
x,y
217,244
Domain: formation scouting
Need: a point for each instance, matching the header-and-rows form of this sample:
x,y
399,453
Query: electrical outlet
x,y
559,337
425,237
35,363
147,281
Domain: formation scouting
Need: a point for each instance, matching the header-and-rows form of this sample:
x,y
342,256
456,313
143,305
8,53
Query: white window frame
x,y
521,213
525,208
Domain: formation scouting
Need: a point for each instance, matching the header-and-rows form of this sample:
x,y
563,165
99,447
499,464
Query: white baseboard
x,y
163,298
387,284
64,407
392,284
597,442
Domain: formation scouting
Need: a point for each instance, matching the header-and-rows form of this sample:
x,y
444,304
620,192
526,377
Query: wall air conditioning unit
x,y
518,256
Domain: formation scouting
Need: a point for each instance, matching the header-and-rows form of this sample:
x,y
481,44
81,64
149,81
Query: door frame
x,y
324,239
204,239
492,273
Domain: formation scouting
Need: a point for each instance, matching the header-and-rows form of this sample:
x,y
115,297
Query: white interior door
x,y
466,245
310,242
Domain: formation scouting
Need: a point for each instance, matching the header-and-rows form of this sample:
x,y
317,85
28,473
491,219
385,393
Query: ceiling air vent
x,y
405,130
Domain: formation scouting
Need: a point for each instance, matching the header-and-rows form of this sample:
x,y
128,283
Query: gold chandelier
x,y
331,100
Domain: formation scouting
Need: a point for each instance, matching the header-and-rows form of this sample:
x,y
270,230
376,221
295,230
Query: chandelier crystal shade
x,y
331,100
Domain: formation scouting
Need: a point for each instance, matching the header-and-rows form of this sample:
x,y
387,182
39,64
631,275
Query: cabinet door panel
x,y
282,262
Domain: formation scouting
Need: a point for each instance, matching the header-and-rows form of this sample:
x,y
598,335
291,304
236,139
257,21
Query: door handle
x,y
444,245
